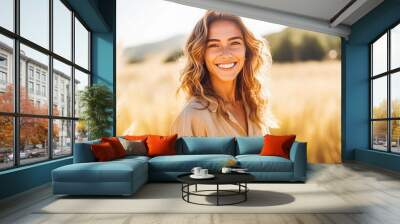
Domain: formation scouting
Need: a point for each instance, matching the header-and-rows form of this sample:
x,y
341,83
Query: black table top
x,y
220,178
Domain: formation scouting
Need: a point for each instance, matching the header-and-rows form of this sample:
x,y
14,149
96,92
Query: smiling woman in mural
x,y
224,62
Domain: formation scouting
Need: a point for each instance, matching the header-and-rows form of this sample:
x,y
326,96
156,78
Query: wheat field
x,y
304,99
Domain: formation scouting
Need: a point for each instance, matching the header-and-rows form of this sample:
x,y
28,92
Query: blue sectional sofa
x,y
125,176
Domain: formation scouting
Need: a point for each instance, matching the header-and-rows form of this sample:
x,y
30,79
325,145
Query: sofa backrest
x,y
191,146
206,145
83,152
249,145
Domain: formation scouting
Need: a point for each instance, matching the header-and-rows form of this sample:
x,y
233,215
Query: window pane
x,y
379,135
81,131
35,21
395,47
6,74
81,81
62,138
62,89
6,142
395,94
62,29
33,139
379,97
7,14
379,55
395,136
81,45
34,72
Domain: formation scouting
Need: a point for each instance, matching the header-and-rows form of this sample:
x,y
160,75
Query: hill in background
x,y
288,45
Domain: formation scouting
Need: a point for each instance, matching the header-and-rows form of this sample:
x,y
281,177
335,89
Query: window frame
x,y
388,74
16,115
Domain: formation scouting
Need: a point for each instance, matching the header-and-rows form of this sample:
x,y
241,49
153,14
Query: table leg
x,y
245,193
196,187
182,189
188,190
217,194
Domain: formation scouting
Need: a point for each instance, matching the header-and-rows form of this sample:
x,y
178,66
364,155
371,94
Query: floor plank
x,y
377,190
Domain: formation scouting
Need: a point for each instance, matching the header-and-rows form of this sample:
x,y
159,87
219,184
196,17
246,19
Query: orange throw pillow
x,y
277,145
103,152
161,145
135,137
116,145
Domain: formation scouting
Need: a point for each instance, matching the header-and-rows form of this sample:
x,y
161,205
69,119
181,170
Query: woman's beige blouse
x,y
195,120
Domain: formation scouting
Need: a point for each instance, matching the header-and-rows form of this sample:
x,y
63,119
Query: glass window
x,y
37,74
3,60
30,87
30,71
7,14
34,80
33,140
3,78
395,47
43,90
62,137
62,29
81,82
62,72
6,142
81,45
379,97
6,73
40,62
37,89
383,137
379,135
395,138
395,95
81,131
379,55
34,21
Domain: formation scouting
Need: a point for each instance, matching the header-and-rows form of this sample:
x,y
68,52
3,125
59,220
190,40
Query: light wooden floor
x,y
378,188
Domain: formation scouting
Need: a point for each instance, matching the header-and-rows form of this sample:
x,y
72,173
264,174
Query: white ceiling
x,y
315,15
320,9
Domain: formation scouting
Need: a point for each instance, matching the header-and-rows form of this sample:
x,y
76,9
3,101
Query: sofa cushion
x,y
257,163
111,171
249,145
131,158
185,163
206,145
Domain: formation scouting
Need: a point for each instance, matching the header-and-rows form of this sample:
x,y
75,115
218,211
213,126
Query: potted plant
x,y
96,103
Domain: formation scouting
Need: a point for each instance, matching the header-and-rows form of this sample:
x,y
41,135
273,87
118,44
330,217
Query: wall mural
x,y
195,72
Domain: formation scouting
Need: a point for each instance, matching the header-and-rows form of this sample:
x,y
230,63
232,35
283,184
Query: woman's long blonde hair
x,y
195,80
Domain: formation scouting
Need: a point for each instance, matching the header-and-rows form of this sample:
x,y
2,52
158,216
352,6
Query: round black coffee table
x,y
238,179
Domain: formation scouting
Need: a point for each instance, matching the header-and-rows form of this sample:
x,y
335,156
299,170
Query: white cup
x,y
196,171
226,170
203,172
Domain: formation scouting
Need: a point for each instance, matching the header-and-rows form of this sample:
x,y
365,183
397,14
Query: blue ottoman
x,y
118,177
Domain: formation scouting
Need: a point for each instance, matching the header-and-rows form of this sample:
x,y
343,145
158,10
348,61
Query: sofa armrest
x,y
83,152
298,155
